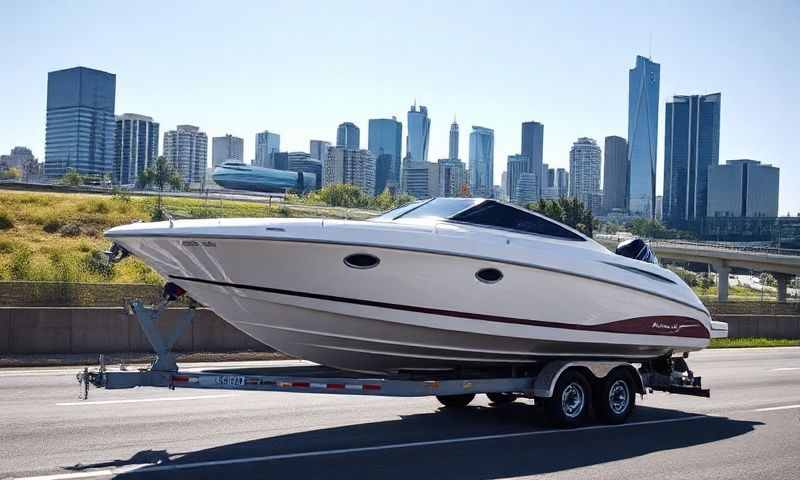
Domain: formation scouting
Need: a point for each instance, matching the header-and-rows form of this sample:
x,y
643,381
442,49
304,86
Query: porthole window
x,y
489,275
361,260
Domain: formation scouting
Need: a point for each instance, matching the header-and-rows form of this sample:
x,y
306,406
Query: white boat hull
x,y
418,308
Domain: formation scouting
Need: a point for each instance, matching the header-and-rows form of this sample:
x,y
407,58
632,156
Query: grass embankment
x,y
57,237
752,342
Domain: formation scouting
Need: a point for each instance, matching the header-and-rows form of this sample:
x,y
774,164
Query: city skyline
x,y
754,76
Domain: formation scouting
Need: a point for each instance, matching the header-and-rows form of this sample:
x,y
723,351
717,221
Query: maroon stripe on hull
x,y
671,326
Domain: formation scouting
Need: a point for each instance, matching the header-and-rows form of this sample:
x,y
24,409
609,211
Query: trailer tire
x,y
615,397
455,401
569,405
501,398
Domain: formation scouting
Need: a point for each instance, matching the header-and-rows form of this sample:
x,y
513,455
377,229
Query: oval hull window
x,y
489,275
361,261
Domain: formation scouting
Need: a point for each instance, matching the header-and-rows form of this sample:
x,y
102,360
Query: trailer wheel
x,y
501,398
455,401
615,397
569,405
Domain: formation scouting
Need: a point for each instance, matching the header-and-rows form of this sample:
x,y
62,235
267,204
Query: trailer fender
x,y
549,375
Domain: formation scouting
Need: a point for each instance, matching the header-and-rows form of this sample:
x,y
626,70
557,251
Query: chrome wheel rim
x,y
572,400
618,397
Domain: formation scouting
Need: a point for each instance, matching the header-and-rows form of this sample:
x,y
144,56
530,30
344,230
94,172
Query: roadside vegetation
x,y
752,342
57,237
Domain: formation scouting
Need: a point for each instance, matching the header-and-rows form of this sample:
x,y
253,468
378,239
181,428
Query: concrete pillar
x,y
783,281
723,271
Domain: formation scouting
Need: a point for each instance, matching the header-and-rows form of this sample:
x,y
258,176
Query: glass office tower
x,y
385,140
643,84
419,130
481,161
80,122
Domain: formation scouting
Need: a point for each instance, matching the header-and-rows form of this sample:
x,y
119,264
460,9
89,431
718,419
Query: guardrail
x,y
729,246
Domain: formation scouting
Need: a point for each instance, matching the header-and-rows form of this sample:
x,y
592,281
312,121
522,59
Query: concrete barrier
x,y
107,330
111,330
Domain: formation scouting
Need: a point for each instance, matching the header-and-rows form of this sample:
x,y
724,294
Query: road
x,y
749,428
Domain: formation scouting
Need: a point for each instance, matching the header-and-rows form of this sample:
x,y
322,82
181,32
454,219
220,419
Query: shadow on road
x,y
479,459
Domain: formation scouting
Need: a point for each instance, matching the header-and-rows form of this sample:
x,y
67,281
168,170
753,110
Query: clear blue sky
x,y
300,68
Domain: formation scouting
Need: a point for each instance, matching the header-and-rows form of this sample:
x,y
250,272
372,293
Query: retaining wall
x,y
111,330
107,330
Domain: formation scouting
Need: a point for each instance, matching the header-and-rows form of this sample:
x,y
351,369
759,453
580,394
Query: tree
x,y
72,178
160,175
569,211
13,173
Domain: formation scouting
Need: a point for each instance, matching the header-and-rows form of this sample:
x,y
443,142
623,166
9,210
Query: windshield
x,y
435,208
396,212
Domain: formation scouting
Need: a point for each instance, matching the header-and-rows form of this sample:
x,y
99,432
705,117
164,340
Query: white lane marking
x,y
320,453
772,409
784,369
138,400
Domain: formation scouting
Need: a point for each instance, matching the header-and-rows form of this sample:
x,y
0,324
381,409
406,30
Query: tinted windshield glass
x,y
440,208
493,214
394,213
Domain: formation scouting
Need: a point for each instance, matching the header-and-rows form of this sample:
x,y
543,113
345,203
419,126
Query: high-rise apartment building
x,y
319,149
186,148
135,147
453,150
562,182
743,188
481,161
418,138
527,189
584,169
643,86
80,122
267,145
355,167
226,148
516,166
615,174
385,141
691,146
348,135
452,177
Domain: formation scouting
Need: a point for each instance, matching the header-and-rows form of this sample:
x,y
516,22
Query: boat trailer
x,y
562,385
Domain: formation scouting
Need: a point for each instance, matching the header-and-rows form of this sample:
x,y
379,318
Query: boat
x,y
439,284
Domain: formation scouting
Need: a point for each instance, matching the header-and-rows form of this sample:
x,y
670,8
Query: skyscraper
x,y
562,182
421,179
267,145
691,146
135,147
452,177
453,151
481,161
533,147
80,122
186,148
743,188
385,141
226,148
345,165
419,128
302,162
319,149
516,166
643,83
584,169
615,174
348,136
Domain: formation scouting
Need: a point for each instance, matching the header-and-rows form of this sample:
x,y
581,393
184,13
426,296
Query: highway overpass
x,y
783,264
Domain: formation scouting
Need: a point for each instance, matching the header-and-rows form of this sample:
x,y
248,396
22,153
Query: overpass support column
x,y
783,281
723,271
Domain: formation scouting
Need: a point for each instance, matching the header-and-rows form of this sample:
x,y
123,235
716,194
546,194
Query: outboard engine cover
x,y
637,249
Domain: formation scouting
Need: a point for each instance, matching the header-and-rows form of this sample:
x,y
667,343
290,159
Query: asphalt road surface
x,y
750,428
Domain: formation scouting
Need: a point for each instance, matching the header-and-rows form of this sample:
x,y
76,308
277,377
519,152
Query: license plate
x,y
231,380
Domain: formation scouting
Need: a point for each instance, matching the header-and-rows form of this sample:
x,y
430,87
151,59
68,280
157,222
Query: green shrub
x,y
20,266
99,265
6,220
7,246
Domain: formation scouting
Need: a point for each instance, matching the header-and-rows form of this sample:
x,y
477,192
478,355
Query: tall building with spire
x,y
419,129
453,155
643,85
